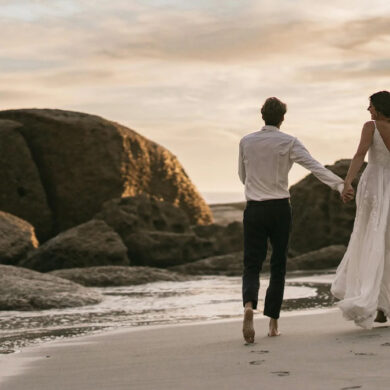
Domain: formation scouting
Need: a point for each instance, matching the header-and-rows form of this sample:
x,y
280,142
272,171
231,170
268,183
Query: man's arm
x,y
301,155
241,165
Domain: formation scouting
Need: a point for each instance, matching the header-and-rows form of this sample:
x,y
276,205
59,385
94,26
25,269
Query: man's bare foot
x,y
248,330
380,317
273,328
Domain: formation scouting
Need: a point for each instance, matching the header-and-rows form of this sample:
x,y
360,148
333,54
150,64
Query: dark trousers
x,y
263,220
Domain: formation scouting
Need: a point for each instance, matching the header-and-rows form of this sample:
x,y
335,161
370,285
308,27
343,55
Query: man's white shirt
x,y
265,159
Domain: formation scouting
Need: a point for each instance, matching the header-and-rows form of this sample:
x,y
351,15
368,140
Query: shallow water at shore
x,y
203,299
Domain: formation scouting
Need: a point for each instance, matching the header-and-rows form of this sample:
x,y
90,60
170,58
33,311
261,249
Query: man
x,y
265,158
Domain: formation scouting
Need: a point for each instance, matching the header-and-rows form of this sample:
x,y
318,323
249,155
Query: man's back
x,y
266,163
265,159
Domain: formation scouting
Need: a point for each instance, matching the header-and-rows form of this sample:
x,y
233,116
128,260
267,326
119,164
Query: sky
x,y
192,75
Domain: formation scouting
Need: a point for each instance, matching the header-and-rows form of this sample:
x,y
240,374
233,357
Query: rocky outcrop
x,y
228,265
128,215
225,239
17,238
156,234
320,219
164,249
159,234
23,289
80,161
232,264
21,190
90,244
328,257
118,276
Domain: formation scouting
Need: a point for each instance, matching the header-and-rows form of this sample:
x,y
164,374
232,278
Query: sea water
x,y
205,298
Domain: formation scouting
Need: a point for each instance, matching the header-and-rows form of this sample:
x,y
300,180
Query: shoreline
x,y
174,355
216,298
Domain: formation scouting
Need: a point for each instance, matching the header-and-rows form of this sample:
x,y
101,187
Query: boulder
x,y
159,234
320,218
228,265
83,160
232,263
90,244
118,276
17,238
23,289
164,249
128,215
21,190
328,257
225,238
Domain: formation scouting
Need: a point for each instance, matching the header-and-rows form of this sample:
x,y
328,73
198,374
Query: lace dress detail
x,y
362,281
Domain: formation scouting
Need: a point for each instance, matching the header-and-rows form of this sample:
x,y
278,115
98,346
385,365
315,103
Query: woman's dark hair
x,y
273,111
381,102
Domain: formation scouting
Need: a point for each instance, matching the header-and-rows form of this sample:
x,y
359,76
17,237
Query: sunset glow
x,y
192,75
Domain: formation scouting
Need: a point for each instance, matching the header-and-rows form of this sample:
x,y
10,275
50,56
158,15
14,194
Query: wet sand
x,y
315,351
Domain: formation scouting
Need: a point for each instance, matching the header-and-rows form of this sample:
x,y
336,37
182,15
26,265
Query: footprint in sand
x,y
385,345
364,354
281,373
260,352
351,387
256,362
369,336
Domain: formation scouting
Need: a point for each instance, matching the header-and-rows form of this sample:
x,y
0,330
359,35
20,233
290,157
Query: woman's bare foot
x,y
273,328
380,317
248,330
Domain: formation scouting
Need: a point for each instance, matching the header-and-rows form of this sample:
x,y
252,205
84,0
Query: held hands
x,y
348,193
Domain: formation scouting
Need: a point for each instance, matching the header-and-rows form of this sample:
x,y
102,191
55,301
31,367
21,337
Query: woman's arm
x,y
241,165
358,159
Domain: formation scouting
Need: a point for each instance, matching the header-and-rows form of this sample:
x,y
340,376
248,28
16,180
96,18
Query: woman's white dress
x,y
362,281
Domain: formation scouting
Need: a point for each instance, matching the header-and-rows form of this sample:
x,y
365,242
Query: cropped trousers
x,y
263,221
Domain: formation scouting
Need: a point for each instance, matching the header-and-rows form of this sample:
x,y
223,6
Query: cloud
x,y
343,71
191,75
75,77
357,34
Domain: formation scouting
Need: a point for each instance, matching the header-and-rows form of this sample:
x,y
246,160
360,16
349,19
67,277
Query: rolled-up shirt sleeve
x,y
300,155
241,165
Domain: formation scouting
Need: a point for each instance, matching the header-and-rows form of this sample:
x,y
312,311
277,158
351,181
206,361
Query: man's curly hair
x,y
273,111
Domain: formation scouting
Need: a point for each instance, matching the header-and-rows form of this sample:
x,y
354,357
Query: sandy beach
x,y
317,350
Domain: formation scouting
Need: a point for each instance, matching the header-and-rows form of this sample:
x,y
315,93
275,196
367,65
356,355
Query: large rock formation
x,y
80,161
159,234
225,238
328,257
90,244
128,215
118,276
17,238
23,289
228,265
320,218
21,189
232,264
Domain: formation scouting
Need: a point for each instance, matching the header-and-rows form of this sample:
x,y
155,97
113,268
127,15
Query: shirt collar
x,y
271,128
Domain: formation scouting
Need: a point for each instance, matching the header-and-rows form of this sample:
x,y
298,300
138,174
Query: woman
x,y
362,280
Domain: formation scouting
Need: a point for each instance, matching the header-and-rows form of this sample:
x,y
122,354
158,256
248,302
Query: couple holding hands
x,y
362,281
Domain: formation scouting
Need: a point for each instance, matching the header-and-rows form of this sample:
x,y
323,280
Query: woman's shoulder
x,y
369,126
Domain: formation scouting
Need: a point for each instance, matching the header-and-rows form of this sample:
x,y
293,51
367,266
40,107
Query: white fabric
x,y
266,157
362,279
